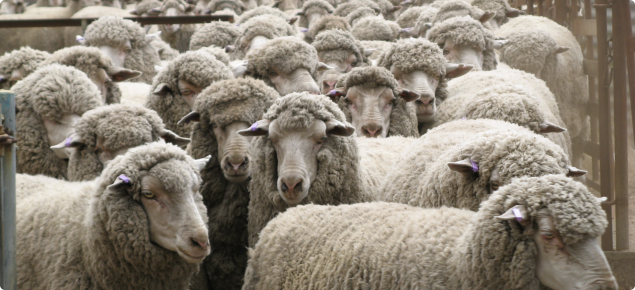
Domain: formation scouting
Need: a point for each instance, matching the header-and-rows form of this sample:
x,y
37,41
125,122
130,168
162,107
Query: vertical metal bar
x,y
621,125
530,7
606,148
595,164
8,272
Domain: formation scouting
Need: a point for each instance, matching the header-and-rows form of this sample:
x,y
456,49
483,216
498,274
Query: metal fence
x,y
7,197
608,58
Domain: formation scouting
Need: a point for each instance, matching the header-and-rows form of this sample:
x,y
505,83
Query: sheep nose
x,y
425,99
292,187
236,162
198,242
371,130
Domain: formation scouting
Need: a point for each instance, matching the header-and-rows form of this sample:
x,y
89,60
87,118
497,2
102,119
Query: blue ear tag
x,y
517,214
254,127
124,178
68,141
474,165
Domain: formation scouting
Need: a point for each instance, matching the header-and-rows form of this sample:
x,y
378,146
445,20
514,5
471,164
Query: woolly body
x,y
345,9
409,17
338,45
386,245
327,22
134,93
197,67
222,103
25,59
380,48
99,239
269,26
314,7
71,32
421,177
49,92
375,28
217,33
261,10
360,13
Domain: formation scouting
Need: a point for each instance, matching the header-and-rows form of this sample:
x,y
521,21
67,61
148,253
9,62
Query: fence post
x,y
8,271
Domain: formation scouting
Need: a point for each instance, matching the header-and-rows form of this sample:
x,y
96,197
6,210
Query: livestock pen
x,y
604,30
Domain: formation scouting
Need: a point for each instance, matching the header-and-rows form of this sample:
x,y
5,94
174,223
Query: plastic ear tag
x,y
517,214
254,127
124,178
68,141
474,165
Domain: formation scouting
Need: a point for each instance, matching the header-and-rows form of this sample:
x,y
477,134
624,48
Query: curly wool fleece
x,y
338,45
466,32
216,33
25,59
115,31
376,28
197,67
327,22
269,26
338,180
222,103
50,92
403,118
422,177
120,126
100,238
88,60
261,10
414,248
314,7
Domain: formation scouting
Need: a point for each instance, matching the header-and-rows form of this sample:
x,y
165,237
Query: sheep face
x,y
117,54
234,150
247,45
461,54
58,130
328,80
171,28
423,84
581,265
12,7
299,80
169,196
297,152
188,91
16,75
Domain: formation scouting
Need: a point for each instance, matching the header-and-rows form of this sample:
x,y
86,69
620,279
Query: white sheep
x,y
537,232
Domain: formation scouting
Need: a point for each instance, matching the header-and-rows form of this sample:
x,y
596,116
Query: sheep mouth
x,y
236,177
190,258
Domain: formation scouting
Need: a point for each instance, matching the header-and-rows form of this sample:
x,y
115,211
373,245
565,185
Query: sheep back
x,y
337,45
217,33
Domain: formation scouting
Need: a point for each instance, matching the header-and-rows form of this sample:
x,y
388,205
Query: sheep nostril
x,y
284,187
298,187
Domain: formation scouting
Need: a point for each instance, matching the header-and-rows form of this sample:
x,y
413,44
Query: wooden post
x,y
8,274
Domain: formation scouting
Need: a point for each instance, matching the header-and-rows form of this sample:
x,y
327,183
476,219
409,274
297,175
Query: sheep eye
x,y
214,125
148,194
186,92
446,52
437,77
347,101
322,140
127,50
495,186
548,235
98,151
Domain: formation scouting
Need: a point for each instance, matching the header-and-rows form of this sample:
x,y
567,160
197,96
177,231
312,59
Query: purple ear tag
x,y
333,92
124,178
68,141
254,127
463,119
304,30
474,165
517,214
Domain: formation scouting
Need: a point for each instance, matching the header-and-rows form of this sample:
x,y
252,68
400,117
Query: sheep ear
x,y
466,166
411,31
293,20
173,138
487,16
73,141
3,79
122,182
499,43
409,96
193,116
154,11
238,67
276,4
322,66
202,162
453,70
336,94
155,35
518,213
189,8
80,39
134,12
395,8
260,128
548,127
337,128
161,90
575,172
561,49
369,51
230,49
119,74
300,13
512,12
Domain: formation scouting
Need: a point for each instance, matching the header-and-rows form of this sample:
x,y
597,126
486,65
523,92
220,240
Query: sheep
x,y
177,86
508,95
18,64
41,38
219,112
126,43
379,47
358,14
12,7
338,49
70,33
388,10
408,18
328,22
312,11
345,9
537,232
286,63
134,93
423,23
109,131
375,28
302,155
540,46
176,35
375,104
459,164
231,7
503,11
465,40
142,8
166,52
261,10
257,31
216,33
457,8
140,225
97,67
48,103
419,66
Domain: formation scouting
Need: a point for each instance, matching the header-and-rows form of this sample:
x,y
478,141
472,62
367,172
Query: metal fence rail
x,y
21,23
8,272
